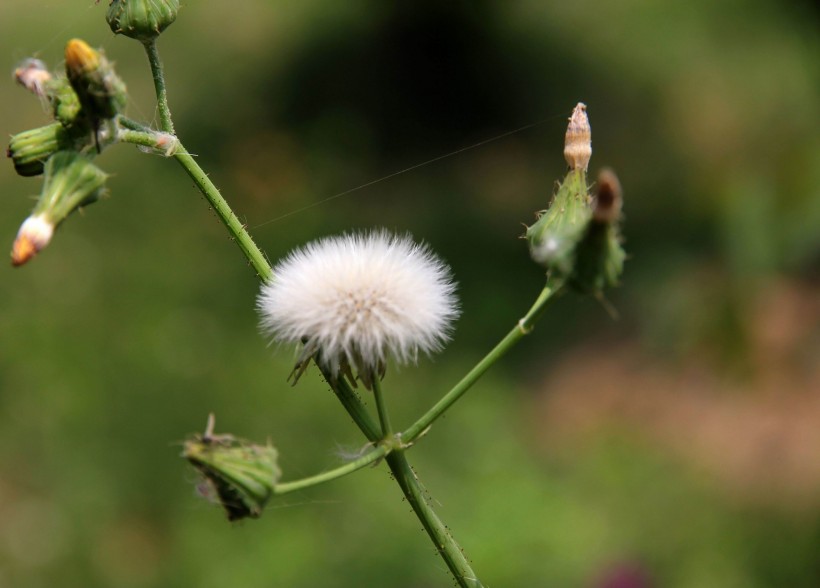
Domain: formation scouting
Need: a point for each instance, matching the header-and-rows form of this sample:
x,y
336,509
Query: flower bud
x,y
71,182
578,140
599,259
34,234
64,101
101,92
609,199
30,149
142,20
33,75
242,474
555,235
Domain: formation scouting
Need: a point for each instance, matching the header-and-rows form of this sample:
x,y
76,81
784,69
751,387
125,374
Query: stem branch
x,y
523,327
370,457
406,478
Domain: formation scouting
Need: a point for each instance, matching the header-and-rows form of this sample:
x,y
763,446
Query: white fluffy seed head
x,y
357,299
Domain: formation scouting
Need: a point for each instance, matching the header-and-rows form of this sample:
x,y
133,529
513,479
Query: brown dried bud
x,y
578,141
609,198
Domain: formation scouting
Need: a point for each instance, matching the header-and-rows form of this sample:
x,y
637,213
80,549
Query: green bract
x,y
30,149
71,182
143,20
64,101
555,235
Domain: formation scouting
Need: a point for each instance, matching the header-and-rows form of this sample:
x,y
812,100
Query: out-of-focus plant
x,y
353,303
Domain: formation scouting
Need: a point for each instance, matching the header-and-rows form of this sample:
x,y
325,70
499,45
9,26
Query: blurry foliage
x,y
138,320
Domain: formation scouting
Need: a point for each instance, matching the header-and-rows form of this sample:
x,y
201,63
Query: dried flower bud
x,y
30,149
143,20
599,259
33,75
243,475
71,182
608,199
101,92
578,140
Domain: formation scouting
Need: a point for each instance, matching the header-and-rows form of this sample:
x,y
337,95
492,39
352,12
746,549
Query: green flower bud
x,y
30,149
243,475
599,259
71,182
557,232
577,238
99,89
64,101
142,20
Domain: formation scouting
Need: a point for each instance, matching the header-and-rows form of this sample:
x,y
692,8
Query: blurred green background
x,y
678,446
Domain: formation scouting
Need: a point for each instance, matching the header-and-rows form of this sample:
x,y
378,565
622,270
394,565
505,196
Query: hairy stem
x,y
409,483
524,327
226,215
159,85
419,499
200,178
353,405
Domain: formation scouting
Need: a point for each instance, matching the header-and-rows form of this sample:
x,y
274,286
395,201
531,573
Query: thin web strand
x,y
411,168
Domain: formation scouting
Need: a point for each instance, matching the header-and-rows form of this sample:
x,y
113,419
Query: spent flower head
x,y
353,300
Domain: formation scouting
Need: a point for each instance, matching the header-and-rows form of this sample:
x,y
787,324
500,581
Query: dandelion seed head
x,y
356,299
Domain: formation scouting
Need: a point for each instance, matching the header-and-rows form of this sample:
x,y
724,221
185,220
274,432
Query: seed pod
x,y
142,20
243,475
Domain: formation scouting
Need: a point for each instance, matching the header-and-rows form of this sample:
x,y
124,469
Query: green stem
x,y
159,86
151,139
226,215
353,405
392,447
370,457
200,178
381,407
446,546
131,124
523,327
